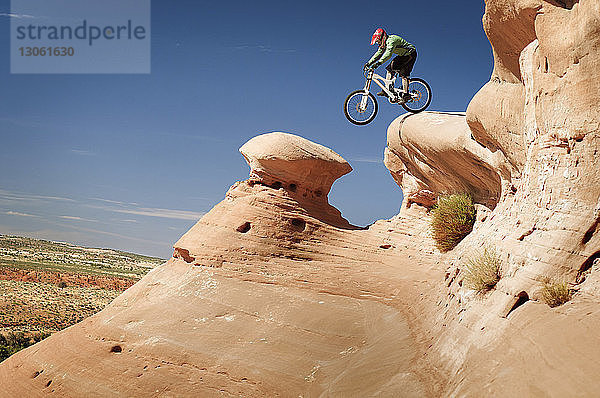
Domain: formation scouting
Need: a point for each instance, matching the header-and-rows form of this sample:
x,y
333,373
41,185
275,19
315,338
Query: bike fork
x,y
363,102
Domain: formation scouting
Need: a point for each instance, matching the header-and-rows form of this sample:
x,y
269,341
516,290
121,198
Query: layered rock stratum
x,y
274,293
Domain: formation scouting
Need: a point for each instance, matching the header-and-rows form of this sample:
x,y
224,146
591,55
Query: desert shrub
x,y
62,284
556,293
482,271
452,219
13,342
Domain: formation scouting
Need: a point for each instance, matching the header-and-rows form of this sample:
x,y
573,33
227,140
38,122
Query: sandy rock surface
x,y
273,293
283,158
540,112
432,153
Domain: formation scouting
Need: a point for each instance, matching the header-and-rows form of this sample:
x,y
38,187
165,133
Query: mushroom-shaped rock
x,y
432,153
282,159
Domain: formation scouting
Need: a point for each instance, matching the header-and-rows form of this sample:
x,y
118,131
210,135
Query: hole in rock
x,y
385,246
49,382
318,194
586,266
245,227
526,234
36,374
568,4
276,185
522,298
293,187
546,64
590,232
116,348
298,224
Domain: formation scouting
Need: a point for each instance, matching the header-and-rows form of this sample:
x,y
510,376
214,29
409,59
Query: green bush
x,y
13,342
556,293
452,219
482,271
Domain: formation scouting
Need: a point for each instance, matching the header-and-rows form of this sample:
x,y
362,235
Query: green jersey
x,y
393,45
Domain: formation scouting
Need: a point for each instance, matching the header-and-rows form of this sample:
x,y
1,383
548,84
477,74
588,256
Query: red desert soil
x,y
272,293
71,279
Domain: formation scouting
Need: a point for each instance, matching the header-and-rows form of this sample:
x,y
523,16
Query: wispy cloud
x,y
82,152
134,208
109,205
16,213
365,160
77,218
164,213
129,220
20,16
263,48
116,202
18,196
108,233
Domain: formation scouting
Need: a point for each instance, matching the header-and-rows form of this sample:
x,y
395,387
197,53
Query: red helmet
x,y
377,35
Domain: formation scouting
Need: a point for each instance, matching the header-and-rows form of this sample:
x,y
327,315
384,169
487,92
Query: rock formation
x,y
271,293
274,293
538,121
432,153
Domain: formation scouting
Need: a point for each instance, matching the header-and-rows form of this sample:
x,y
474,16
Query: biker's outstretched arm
x,y
375,57
386,55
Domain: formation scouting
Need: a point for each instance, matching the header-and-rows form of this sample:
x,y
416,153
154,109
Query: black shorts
x,y
403,64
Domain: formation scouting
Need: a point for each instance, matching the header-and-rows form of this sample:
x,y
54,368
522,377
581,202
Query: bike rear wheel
x,y
420,93
352,109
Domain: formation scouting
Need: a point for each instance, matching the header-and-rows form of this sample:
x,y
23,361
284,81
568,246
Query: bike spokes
x,y
420,96
360,108
361,105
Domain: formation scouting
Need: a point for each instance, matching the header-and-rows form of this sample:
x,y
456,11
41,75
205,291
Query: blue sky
x,y
132,161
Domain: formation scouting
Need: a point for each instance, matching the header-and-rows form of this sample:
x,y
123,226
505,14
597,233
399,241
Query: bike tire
x,y
421,87
351,108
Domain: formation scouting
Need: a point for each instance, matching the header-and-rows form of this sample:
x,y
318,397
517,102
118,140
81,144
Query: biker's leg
x,y
408,69
405,84
392,68
389,75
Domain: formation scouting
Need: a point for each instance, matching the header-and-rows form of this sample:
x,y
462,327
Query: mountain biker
x,y
406,55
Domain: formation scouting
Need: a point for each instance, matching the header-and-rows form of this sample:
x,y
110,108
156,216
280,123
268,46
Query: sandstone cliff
x,y
529,155
273,293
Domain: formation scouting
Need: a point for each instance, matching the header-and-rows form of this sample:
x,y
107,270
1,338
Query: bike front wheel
x,y
420,96
353,111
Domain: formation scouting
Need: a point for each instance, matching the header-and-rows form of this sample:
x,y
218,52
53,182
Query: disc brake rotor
x,y
418,95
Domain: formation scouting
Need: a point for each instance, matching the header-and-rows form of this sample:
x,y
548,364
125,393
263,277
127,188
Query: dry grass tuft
x,y
556,293
482,271
453,219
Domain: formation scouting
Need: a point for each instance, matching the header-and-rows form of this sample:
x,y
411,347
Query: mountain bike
x,y
361,106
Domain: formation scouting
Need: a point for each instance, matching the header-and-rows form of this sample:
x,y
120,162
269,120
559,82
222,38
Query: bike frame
x,y
381,82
